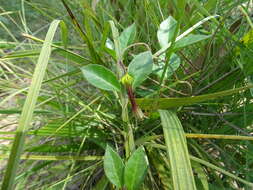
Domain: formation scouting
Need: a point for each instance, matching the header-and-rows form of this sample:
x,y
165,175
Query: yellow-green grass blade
x,y
55,158
17,111
145,139
28,109
176,146
21,54
166,103
65,133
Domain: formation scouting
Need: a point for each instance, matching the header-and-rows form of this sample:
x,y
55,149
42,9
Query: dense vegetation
x,y
127,94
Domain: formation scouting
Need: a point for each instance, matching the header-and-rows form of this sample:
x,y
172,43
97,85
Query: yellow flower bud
x,y
127,79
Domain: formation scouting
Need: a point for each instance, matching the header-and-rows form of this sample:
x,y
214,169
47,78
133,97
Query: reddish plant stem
x,y
130,94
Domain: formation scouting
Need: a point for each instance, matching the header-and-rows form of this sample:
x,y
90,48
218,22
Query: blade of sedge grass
x,y
166,103
28,109
143,140
21,54
55,158
49,132
181,170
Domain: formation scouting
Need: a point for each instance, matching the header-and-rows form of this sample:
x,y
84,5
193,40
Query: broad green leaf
x,y
166,31
136,169
127,36
28,109
189,40
174,64
101,77
165,103
140,67
184,34
114,167
181,170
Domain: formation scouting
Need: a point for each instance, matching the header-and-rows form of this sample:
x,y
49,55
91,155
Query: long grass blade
x,y
55,158
194,135
28,109
165,103
177,150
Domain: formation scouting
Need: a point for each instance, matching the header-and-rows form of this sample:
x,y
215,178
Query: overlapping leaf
x,y
101,77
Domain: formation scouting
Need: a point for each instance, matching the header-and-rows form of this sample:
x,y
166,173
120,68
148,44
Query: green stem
x,y
121,70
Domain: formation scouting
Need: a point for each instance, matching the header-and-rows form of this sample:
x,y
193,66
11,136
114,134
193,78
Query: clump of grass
x,y
96,123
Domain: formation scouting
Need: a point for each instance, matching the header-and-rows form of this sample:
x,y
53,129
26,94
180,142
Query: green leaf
x,y
182,175
189,40
166,31
140,67
101,77
127,36
64,33
28,109
114,167
136,169
174,64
